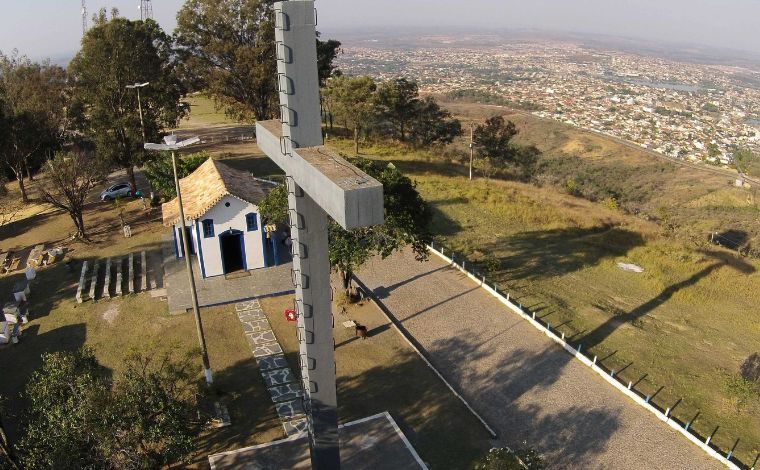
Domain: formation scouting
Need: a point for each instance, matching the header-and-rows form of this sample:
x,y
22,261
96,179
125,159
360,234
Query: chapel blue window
x,y
208,228
251,222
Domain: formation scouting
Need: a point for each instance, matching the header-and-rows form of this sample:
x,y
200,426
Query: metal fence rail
x,y
612,376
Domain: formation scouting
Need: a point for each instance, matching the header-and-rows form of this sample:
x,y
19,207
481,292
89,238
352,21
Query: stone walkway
x,y
218,290
281,382
520,381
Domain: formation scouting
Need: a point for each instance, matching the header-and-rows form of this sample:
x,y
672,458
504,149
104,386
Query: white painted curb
x,y
588,362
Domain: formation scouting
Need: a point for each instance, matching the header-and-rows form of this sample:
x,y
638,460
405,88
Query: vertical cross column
x,y
298,84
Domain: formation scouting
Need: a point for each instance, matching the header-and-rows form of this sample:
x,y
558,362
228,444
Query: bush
x,y
750,369
161,174
504,459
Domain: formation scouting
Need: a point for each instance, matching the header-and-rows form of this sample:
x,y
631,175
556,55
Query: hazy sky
x,y
42,28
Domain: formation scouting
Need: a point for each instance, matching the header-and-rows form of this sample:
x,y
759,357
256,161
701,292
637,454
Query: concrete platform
x,y
220,290
375,442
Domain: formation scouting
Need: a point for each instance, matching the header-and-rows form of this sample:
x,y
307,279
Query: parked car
x,y
117,190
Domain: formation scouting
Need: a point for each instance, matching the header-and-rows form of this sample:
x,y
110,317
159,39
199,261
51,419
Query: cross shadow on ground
x,y
714,259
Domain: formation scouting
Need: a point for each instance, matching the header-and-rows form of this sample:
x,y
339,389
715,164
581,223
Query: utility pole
x,y
84,18
137,87
146,9
172,144
472,146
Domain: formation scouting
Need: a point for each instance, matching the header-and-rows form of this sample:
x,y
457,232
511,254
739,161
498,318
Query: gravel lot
x,y
523,384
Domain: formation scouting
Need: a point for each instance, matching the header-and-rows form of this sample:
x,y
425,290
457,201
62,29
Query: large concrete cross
x,y
319,184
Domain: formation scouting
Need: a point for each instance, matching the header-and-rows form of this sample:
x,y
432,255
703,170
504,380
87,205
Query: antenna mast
x,y
146,9
84,18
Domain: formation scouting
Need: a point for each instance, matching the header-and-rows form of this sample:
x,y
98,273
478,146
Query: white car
x,y
117,190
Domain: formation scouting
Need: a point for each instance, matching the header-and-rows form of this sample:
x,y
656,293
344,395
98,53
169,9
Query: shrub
x,y
750,369
504,459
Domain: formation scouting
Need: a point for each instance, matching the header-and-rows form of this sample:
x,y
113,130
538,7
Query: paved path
x,y
521,382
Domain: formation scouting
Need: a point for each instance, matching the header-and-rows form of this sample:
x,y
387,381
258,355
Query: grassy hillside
x,y
695,202
686,323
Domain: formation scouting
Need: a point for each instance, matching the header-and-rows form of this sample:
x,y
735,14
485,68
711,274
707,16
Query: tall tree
x,y
352,102
407,217
744,159
71,177
227,48
492,142
77,419
160,172
432,125
397,101
327,52
33,109
116,53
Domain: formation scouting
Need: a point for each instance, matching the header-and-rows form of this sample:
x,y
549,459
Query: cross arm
x,y
351,197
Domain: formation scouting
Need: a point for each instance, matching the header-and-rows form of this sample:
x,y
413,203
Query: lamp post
x,y
137,87
171,144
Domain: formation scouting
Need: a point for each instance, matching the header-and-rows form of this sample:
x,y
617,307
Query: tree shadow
x,y
716,261
541,254
252,412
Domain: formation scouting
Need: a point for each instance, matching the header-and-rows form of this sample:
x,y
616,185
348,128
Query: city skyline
x,y
56,28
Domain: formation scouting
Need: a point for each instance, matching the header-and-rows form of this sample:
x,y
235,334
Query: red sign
x,y
290,314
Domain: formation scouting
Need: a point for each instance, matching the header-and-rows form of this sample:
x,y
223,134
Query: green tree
x,y
78,419
352,102
433,125
227,47
274,207
503,458
407,220
115,54
7,455
397,101
160,172
71,177
744,159
327,52
33,109
492,142
407,217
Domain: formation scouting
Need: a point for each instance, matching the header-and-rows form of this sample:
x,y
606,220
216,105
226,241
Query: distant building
x,y
222,220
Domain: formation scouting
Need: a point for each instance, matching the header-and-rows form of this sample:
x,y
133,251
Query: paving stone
x,y
296,426
262,337
256,326
285,392
247,305
251,315
272,362
266,350
278,377
290,409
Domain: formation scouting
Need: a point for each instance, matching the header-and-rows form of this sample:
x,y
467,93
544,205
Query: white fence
x,y
577,353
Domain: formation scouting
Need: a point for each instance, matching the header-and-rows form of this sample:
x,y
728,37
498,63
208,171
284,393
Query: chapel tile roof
x,y
206,186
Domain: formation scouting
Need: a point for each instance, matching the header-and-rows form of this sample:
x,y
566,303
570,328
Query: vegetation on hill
x,y
686,324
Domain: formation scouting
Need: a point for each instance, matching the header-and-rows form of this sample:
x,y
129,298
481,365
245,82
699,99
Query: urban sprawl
x,y
700,113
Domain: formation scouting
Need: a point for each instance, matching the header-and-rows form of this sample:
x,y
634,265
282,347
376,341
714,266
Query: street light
x,y
171,144
137,87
